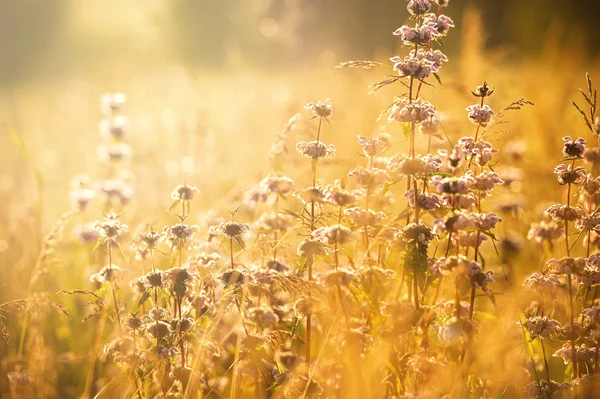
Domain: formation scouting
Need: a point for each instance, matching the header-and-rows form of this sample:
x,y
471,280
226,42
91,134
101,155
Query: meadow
x,y
407,227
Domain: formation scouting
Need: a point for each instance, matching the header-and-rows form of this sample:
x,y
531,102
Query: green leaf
x,y
303,263
144,298
437,77
406,130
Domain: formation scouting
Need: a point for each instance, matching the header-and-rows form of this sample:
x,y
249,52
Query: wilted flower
x,y
573,149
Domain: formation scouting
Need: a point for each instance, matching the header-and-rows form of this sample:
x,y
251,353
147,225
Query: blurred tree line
x,y
37,36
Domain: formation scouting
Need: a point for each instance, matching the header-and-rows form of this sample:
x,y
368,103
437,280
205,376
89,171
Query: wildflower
x,y
567,175
436,57
374,146
544,231
541,326
108,273
469,239
411,66
453,223
480,115
459,201
153,279
235,277
479,150
255,195
115,152
426,201
415,112
442,23
133,322
112,102
483,91
274,221
418,7
320,110
159,329
335,194
415,234
116,191
183,192
337,277
114,127
573,149
338,233
453,185
567,265
485,181
542,282
454,158
565,213
179,233
80,197
151,239
364,217
419,166
233,230
316,149
310,195
86,233
546,389
366,177
486,221
420,35
110,227
263,316
584,353
592,156
278,184
430,127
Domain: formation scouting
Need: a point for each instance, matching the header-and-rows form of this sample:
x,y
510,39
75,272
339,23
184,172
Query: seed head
x,y
183,192
320,110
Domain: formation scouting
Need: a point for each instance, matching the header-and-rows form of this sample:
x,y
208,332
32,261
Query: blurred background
x,y
201,75
54,39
